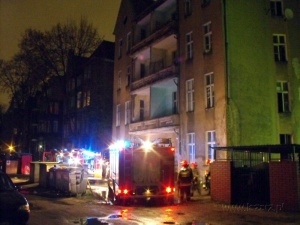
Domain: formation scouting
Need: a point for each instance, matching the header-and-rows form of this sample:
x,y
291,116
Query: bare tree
x,y
45,54
49,51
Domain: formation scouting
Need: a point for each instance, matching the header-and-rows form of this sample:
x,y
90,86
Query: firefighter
x,y
196,179
184,181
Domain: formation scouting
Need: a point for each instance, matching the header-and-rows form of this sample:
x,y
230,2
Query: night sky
x,y
18,15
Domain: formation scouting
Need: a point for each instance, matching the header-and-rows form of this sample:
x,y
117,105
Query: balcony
x,y
159,123
161,31
167,72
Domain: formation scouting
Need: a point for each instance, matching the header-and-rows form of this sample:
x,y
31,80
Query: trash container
x,y
70,179
78,181
52,177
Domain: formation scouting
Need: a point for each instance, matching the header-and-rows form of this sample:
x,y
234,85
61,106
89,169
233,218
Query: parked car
x,y
14,207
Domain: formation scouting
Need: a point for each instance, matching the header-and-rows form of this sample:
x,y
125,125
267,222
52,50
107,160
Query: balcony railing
x,y
168,72
162,122
160,31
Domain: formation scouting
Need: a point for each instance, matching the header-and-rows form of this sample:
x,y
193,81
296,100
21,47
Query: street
x,y
201,210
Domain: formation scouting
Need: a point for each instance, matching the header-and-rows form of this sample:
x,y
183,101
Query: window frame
x,y
187,8
127,112
118,115
283,96
209,90
119,80
128,42
280,48
285,139
207,37
190,95
276,8
189,45
120,48
191,146
210,141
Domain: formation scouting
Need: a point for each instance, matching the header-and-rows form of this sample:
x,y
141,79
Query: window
x,y
191,146
119,80
174,94
128,42
189,45
55,126
279,47
127,112
190,95
128,75
209,90
207,37
210,142
187,8
283,96
120,48
87,98
79,94
276,7
205,3
118,115
142,110
285,139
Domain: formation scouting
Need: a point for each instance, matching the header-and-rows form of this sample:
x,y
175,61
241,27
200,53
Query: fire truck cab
x,y
143,174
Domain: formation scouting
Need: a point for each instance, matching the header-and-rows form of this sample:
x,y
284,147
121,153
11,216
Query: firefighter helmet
x,y
184,163
194,165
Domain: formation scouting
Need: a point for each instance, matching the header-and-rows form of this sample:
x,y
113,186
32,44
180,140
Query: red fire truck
x,y
143,174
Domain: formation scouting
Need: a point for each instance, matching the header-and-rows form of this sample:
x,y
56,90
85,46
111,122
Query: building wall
x,y
124,25
245,109
251,75
202,119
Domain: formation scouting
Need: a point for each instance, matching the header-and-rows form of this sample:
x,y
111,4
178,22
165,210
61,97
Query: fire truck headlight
x,y
125,191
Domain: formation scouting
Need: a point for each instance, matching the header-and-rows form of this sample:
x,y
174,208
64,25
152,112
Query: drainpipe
x,y
226,51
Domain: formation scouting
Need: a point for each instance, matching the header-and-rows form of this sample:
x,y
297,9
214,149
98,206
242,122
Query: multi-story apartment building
x,y
88,100
207,73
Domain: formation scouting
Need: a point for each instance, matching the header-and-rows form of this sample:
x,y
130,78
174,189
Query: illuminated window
x,y
190,95
127,112
187,8
189,45
209,90
118,115
191,146
283,96
279,46
276,7
207,37
210,142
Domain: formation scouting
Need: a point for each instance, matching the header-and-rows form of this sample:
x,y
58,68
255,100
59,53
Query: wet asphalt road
x,y
88,210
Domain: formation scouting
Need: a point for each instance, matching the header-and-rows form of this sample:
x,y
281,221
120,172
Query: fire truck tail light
x,y
169,189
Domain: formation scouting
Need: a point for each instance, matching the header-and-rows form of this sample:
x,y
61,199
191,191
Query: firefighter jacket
x,y
185,177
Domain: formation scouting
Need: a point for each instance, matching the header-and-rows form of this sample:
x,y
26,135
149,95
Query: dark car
x,y
14,207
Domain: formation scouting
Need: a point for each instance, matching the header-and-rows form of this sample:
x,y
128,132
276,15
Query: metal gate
x,y
251,185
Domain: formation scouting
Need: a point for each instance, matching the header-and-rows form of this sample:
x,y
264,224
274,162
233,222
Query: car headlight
x,y
24,208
